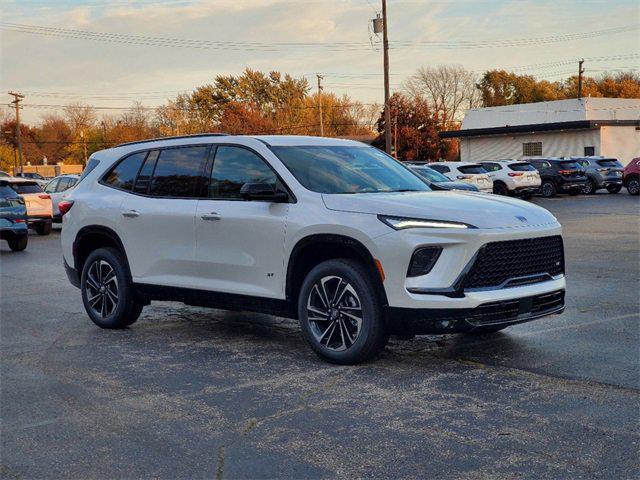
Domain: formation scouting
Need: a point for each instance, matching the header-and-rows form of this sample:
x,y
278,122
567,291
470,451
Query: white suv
x,y
472,173
513,177
332,232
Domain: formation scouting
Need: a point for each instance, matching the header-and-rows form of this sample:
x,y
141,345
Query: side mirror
x,y
264,192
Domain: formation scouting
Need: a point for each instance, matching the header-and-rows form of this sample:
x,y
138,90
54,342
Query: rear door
x,y
157,215
239,244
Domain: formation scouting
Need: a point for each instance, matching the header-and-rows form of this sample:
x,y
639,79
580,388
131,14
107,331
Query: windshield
x,y
521,167
352,169
430,174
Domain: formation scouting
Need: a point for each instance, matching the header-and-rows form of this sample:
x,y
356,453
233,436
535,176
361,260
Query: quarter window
x,y
124,174
491,167
178,172
532,149
235,166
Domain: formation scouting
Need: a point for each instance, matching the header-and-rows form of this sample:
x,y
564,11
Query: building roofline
x,y
538,127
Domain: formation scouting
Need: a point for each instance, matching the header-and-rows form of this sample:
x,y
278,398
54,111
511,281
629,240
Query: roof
x,y
572,114
454,164
18,180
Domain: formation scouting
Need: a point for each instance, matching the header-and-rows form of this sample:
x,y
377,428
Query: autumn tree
x,y
417,129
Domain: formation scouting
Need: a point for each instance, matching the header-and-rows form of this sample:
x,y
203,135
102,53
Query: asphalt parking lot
x,y
195,393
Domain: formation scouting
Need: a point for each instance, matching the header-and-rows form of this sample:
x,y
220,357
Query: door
x,y
239,244
157,217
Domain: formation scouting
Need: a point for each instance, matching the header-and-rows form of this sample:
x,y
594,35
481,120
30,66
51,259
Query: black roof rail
x,y
177,137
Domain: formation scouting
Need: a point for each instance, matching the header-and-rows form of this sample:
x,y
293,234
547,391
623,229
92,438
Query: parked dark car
x,y
631,177
438,181
559,175
601,173
13,218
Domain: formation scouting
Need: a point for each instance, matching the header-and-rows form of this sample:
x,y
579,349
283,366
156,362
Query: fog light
x,y
423,261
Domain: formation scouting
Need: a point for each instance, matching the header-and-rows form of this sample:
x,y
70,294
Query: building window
x,y
589,151
532,149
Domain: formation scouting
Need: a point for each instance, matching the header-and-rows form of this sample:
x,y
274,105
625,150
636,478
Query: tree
x,y
448,90
53,137
80,118
417,128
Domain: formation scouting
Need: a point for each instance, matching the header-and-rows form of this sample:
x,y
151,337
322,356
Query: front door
x,y
239,244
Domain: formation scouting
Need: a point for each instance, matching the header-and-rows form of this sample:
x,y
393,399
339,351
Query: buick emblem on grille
x,y
522,219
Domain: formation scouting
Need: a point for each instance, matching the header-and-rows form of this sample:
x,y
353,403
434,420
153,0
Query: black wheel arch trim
x,y
99,230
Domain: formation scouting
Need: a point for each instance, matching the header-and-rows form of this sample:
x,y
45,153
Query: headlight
x,y
400,223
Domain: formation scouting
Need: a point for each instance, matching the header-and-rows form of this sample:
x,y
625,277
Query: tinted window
x,y
233,167
65,184
144,177
26,187
491,167
440,168
567,165
521,167
7,192
124,174
472,169
93,163
608,163
347,169
178,172
51,186
583,163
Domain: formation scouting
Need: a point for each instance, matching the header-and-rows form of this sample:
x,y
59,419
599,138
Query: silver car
x,y
58,189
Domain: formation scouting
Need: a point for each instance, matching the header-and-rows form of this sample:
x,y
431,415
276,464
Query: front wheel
x,y
548,189
633,186
107,293
614,188
340,314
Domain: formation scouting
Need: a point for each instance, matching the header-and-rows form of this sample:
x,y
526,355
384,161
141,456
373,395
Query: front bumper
x,y
406,321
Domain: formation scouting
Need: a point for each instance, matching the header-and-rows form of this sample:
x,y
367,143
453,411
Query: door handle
x,y
213,216
131,214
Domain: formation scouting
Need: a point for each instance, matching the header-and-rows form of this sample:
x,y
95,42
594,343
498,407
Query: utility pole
x,y
395,137
580,72
17,99
320,77
387,110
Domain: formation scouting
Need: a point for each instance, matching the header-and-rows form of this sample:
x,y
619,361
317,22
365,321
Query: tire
x,y
43,228
590,187
548,189
633,186
614,188
18,244
105,275
358,341
500,188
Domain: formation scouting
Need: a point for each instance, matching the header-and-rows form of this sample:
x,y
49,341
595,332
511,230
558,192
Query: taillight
x,y
19,220
565,172
44,196
64,206
515,174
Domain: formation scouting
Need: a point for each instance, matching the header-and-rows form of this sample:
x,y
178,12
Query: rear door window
x,y
179,172
124,174
144,177
472,169
521,167
26,187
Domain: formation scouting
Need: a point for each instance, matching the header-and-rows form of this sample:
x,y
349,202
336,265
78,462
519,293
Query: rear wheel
x,y
614,188
18,244
548,189
340,313
589,188
43,228
633,186
107,293
500,188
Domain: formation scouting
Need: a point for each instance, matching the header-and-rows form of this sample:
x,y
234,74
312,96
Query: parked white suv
x,y
332,232
513,177
472,173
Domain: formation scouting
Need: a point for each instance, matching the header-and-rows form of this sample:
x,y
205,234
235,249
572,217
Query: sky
x,y
193,41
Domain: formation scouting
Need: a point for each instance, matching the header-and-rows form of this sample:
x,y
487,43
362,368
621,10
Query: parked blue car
x,y
602,172
13,218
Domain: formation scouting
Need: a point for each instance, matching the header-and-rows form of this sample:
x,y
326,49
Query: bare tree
x,y
448,90
80,116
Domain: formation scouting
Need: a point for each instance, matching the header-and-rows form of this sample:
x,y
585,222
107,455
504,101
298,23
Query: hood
x,y
478,209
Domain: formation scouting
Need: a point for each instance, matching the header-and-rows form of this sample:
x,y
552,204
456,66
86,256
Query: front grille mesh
x,y
500,262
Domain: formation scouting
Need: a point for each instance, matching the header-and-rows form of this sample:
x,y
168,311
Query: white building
x,y
562,128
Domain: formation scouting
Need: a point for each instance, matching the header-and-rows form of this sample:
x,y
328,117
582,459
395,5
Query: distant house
x,y
562,128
